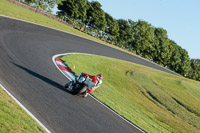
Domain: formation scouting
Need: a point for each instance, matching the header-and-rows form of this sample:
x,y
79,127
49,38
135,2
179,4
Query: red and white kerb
x,y
64,69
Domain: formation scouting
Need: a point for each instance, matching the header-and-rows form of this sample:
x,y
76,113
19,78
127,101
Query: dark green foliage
x,y
185,63
112,27
125,33
96,16
175,58
144,39
75,9
180,61
161,44
195,71
45,5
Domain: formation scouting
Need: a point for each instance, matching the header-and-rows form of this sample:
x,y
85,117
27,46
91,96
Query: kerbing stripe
x,y
64,68
59,60
59,63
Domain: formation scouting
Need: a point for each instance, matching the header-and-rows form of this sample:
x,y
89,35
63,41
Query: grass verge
x,y
153,100
14,119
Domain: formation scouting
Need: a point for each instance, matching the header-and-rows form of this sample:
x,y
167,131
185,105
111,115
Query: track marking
x,y
54,61
22,106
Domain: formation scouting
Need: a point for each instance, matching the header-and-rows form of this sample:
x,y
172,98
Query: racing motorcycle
x,y
78,86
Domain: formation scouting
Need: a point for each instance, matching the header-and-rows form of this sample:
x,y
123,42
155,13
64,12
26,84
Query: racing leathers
x,y
93,84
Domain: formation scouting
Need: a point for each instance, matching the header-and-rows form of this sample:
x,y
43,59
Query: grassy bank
x,y
153,100
13,119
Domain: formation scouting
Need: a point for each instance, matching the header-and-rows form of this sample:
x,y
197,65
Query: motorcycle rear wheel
x,y
82,90
79,90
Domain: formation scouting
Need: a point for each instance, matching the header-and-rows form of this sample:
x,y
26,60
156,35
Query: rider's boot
x,y
85,94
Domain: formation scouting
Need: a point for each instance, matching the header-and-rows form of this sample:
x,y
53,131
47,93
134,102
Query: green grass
x,y
155,101
13,118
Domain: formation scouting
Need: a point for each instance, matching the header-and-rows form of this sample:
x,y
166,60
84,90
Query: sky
x,y
181,18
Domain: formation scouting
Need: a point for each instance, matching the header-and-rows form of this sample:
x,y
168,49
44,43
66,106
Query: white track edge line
x,y
78,53
53,59
90,40
64,74
24,108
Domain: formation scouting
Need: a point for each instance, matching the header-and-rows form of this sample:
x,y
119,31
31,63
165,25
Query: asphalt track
x,y
27,71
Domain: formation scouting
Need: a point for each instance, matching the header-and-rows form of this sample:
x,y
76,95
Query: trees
x,y
75,9
45,5
96,16
29,2
185,63
195,69
180,61
144,39
89,13
161,44
125,33
112,27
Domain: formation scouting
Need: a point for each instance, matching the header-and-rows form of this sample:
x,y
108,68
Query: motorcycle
x,y
78,86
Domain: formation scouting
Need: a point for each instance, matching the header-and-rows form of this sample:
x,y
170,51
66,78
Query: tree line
x,y
139,37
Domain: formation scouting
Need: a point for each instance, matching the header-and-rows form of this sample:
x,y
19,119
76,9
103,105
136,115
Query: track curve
x,y
27,71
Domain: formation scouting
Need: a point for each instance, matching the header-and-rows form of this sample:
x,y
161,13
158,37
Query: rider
x,y
92,85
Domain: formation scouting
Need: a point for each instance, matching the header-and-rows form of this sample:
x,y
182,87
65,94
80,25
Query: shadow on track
x,y
45,79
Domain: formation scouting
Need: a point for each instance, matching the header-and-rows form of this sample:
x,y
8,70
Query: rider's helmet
x,y
100,76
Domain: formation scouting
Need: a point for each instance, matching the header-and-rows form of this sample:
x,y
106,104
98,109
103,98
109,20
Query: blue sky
x,y
181,18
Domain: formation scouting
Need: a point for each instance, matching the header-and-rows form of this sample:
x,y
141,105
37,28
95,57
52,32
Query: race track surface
x,y
27,71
